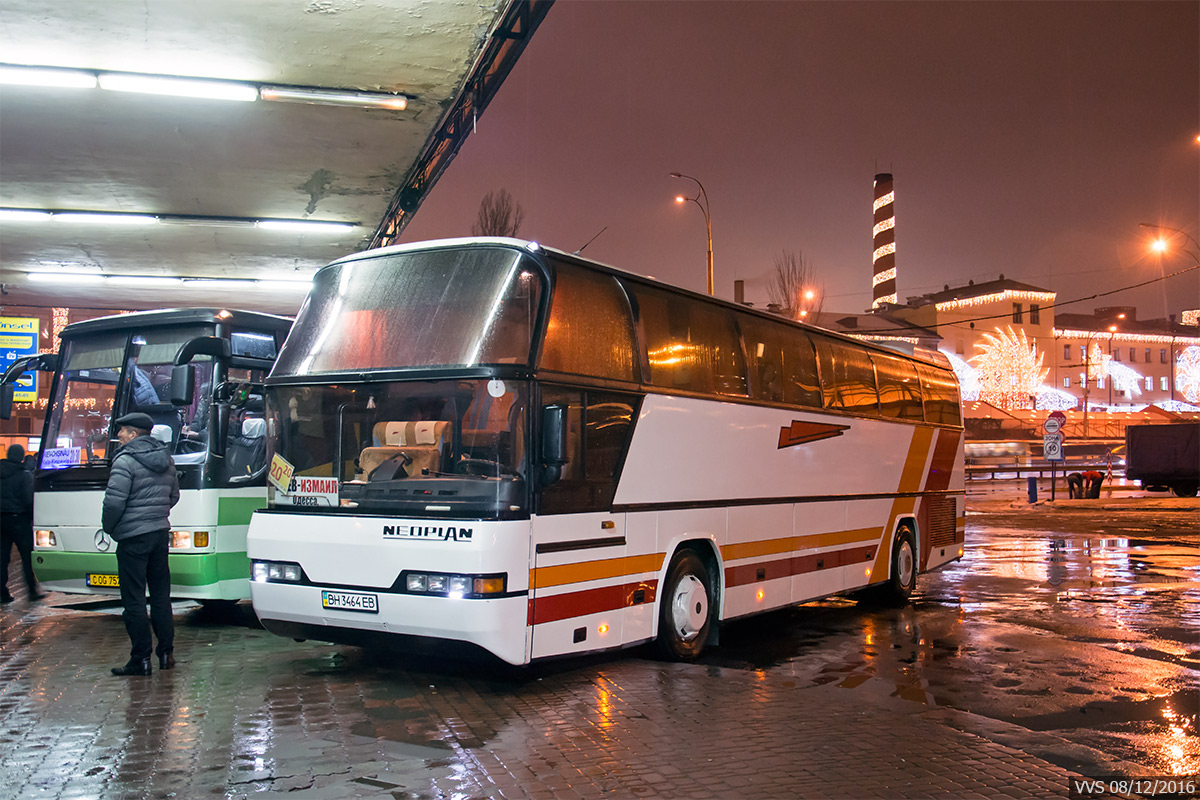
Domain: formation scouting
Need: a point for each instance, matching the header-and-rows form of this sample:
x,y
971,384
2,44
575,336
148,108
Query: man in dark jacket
x,y
142,489
16,520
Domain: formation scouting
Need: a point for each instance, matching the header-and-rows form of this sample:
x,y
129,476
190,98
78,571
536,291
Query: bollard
x,y
1032,489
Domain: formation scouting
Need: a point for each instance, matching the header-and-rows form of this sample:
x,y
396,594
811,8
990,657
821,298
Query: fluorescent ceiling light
x,y
207,222
333,97
142,280
301,225
282,286
64,277
179,87
46,76
23,215
219,283
105,219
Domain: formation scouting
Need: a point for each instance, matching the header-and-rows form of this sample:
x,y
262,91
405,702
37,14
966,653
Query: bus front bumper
x,y
199,576
297,611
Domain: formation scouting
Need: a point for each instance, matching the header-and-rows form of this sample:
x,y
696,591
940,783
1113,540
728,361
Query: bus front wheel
x,y
685,610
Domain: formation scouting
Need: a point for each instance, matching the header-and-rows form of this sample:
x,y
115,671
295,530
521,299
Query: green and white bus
x,y
210,415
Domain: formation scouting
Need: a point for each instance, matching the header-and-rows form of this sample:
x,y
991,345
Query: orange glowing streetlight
x,y
681,199
1163,243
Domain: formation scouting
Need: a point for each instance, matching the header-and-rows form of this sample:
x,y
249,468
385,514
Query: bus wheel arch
x,y
689,602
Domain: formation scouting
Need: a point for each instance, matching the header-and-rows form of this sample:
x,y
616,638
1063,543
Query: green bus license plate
x,y
102,580
350,601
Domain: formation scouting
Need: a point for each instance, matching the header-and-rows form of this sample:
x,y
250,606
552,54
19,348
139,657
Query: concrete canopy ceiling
x,y
98,150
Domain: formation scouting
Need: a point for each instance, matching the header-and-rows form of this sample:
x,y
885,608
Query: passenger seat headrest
x,y
254,428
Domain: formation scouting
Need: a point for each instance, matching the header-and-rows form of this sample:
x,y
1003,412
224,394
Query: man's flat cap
x,y
136,420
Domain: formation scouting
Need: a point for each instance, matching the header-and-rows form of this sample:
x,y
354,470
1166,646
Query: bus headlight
x,y
45,539
275,572
443,585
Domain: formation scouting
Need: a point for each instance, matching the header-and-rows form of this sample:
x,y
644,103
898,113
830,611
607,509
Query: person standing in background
x,y
16,520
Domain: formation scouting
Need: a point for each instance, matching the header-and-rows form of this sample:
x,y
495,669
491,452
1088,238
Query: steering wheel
x,y
476,466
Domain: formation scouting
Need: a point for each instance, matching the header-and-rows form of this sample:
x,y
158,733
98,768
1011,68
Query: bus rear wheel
x,y
685,610
903,578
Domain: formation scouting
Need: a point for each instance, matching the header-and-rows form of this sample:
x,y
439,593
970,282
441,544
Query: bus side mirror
x,y
183,385
42,362
213,346
554,442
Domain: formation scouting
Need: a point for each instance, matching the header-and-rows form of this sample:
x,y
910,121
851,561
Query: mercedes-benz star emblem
x,y
102,541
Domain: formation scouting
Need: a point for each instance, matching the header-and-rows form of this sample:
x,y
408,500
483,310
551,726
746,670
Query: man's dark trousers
x,y
141,560
17,529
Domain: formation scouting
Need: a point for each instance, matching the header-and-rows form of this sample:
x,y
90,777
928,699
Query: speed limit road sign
x,y
1052,447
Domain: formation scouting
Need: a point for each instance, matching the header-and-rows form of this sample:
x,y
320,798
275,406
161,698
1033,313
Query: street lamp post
x,y
707,219
1161,246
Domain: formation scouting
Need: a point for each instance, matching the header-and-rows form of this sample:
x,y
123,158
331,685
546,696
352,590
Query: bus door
x,y
583,582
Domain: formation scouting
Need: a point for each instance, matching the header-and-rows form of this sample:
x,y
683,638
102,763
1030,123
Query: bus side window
x,y
899,389
847,378
782,362
690,345
941,396
598,426
590,331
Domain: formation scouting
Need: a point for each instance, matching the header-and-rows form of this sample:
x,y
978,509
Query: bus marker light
x,y
46,539
489,585
760,595
603,629
868,571
200,538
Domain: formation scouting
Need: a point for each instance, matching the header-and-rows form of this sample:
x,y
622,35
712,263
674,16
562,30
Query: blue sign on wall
x,y
19,338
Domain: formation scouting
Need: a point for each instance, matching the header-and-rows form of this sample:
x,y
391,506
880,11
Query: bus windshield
x,y
454,307
448,447
110,374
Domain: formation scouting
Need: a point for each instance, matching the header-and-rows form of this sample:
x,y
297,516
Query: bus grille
x,y
941,522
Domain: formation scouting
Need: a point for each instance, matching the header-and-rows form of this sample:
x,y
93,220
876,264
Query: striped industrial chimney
x,y
884,260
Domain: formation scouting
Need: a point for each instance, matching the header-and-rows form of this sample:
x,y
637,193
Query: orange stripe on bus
x,y
786,544
562,574
910,481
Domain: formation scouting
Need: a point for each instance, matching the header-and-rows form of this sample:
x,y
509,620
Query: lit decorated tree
x,y
1187,374
1010,369
1097,363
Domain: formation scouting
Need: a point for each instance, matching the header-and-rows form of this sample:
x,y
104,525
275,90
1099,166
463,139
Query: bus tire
x,y
685,609
1185,489
902,579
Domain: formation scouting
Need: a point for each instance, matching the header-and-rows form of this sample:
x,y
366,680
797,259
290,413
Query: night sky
x,y
1028,139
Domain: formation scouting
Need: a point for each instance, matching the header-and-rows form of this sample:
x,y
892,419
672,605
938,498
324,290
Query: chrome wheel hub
x,y
689,608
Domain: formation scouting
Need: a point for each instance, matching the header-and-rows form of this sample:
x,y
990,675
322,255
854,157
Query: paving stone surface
x,y
246,713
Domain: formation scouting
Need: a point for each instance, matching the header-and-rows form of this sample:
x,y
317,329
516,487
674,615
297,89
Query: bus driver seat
x,y
421,441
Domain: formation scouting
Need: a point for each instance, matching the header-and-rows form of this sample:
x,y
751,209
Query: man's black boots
x,y
140,667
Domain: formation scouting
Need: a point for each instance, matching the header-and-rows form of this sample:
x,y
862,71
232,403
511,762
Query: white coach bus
x,y
490,442
110,366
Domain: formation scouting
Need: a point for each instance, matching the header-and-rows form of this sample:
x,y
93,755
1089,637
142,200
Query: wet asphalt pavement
x,y
1066,642
1079,618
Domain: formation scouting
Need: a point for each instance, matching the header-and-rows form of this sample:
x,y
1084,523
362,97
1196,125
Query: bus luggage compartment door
x,y
580,583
